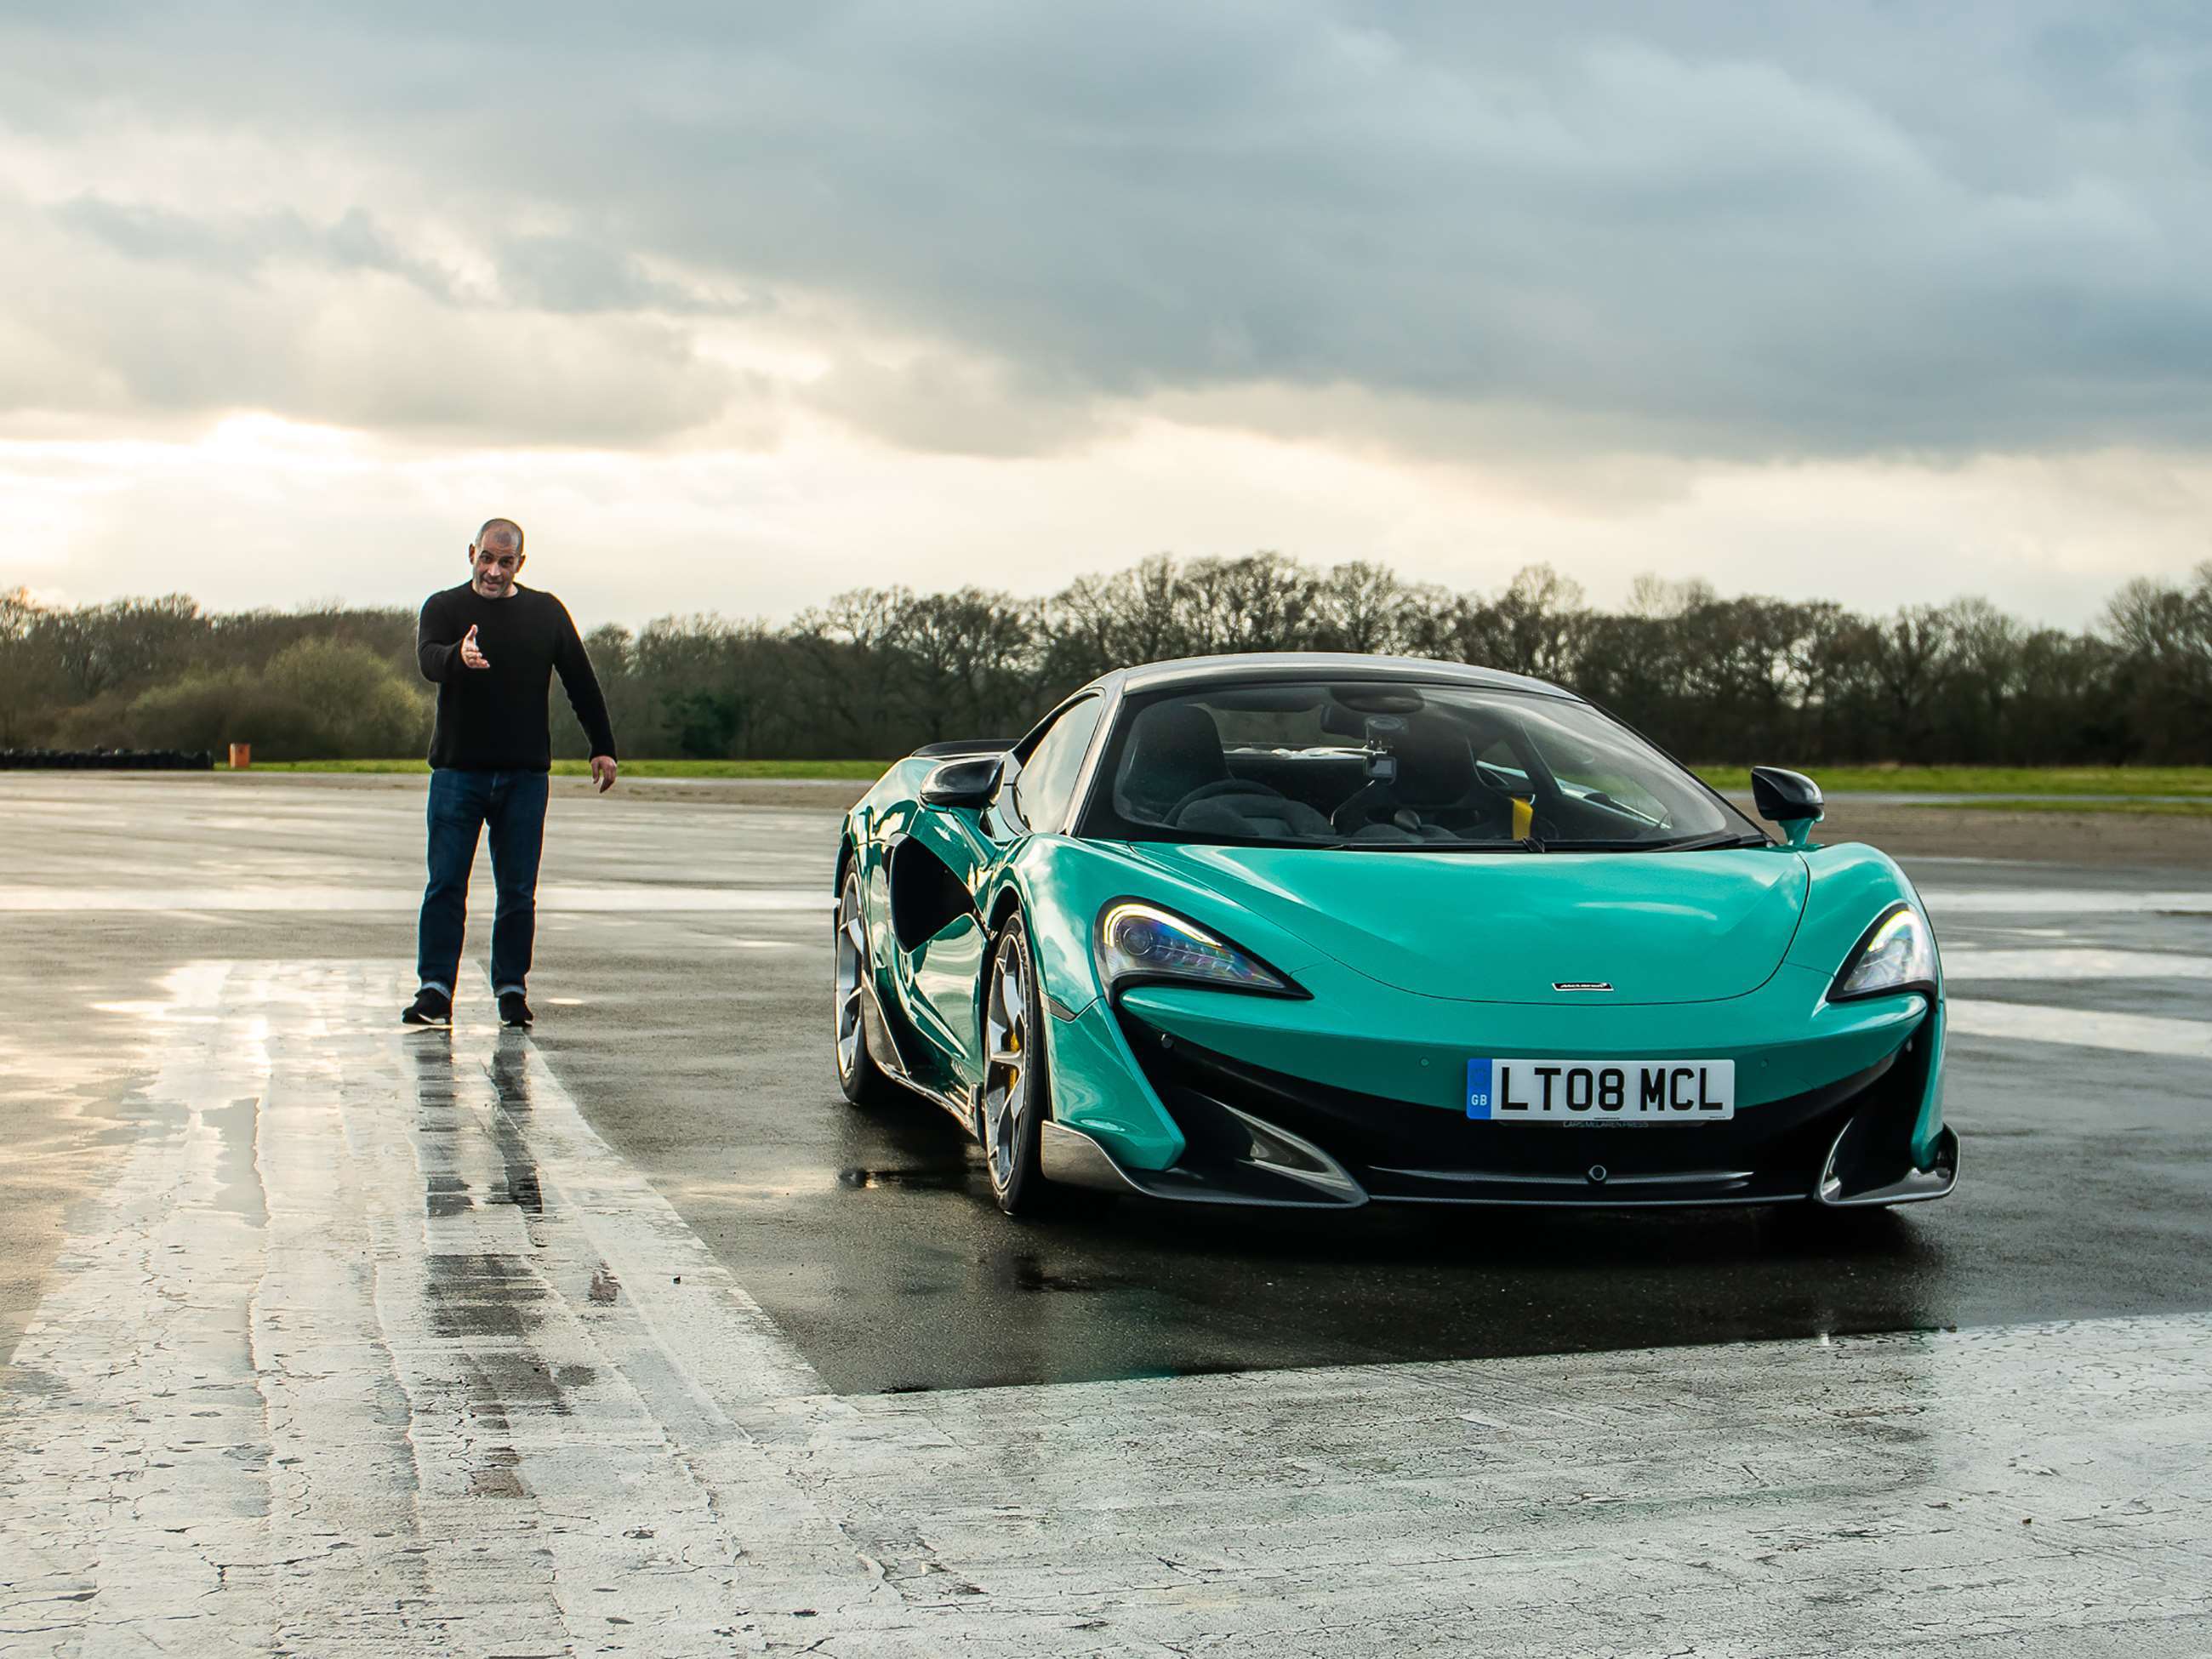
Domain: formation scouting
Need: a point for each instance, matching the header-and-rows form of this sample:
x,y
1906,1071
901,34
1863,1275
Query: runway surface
x,y
631,1336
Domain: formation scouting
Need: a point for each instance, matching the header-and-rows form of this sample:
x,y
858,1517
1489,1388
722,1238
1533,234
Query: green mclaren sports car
x,y
1318,931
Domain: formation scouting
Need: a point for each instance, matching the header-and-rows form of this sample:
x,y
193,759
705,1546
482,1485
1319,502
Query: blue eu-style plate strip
x,y
1478,1088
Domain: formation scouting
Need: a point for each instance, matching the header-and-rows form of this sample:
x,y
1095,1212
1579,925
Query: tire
x,y
863,1081
1017,1093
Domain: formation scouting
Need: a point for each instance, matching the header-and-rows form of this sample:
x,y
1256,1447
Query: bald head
x,y
495,558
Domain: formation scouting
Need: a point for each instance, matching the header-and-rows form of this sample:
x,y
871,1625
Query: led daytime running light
x,y
1898,954
1139,941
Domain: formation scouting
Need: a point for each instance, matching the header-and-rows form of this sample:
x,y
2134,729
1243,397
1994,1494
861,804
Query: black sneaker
x,y
430,1007
512,1010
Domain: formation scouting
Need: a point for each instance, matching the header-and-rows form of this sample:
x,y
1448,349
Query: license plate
x,y
1624,1091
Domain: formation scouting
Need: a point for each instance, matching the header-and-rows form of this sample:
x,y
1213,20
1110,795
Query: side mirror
x,y
1791,799
963,783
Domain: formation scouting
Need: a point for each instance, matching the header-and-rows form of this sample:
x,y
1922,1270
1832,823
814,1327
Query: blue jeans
x,y
461,804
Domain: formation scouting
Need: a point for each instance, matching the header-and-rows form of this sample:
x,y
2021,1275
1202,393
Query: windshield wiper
x,y
1218,839
1703,843
1692,844
1695,843
1437,846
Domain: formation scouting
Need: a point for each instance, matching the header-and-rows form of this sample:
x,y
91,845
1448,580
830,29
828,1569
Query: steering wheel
x,y
1223,786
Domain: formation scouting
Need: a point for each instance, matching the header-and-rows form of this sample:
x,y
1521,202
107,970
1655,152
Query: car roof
x,y
1251,666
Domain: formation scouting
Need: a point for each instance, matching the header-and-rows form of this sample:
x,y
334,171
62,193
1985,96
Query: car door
x,y
1036,790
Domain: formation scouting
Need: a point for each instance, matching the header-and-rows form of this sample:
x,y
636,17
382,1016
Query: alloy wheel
x,y
852,956
1007,1041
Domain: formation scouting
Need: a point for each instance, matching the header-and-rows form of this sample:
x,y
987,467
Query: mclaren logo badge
x,y
1580,984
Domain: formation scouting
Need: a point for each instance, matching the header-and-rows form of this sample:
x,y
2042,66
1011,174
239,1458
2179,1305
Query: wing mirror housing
x,y
1791,799
967,784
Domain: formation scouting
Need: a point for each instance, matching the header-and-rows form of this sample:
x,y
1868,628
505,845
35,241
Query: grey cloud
x,y
244,245
1700,227
558,273
571,273
160,318
960,405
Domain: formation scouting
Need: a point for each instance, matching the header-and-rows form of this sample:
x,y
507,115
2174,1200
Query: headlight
x,y
1139,941
1897,954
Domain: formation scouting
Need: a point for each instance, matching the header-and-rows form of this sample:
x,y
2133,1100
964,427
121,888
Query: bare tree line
x,y
878,671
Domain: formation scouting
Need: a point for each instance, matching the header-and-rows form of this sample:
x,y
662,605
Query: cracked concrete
x,y
373,1345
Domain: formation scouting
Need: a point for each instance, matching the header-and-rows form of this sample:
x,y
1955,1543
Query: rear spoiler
x,y
964,746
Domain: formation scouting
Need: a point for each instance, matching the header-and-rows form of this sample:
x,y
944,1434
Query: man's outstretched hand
x,y
471,657
603,770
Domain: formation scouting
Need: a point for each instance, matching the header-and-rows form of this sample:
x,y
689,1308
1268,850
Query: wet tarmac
x,y
680,986
629,1335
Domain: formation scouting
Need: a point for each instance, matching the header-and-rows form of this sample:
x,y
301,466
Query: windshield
x,y
1369,766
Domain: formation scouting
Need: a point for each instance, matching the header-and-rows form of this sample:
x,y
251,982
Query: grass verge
x,y
2136,780
1988,780
767,770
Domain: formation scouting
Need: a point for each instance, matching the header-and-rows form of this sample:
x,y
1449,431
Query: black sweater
x,y
495,719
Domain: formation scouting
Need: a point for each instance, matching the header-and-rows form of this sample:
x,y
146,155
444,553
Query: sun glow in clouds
x,y
262,511
735,316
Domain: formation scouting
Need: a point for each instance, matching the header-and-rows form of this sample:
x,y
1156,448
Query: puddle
x,y
510,1079
238,1183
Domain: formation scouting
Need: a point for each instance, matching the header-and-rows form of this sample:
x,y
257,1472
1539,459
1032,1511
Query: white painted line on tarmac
x,y
552,898
2037,901
1967,963
2088,1028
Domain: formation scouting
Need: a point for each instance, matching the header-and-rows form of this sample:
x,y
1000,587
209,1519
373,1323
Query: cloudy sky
x,y
735,306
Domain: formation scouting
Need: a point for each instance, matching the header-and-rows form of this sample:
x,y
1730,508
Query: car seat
x,y
1175,748
1437,780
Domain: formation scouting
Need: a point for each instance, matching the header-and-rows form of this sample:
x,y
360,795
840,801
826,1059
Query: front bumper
x,y
1847,1114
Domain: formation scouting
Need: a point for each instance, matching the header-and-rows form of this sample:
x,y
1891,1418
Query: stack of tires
x,y
106,760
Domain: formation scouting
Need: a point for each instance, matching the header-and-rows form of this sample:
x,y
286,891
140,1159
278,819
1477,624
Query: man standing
x,y
493,646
